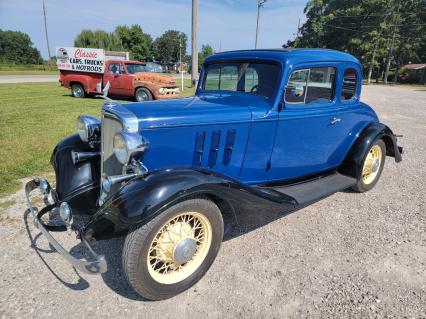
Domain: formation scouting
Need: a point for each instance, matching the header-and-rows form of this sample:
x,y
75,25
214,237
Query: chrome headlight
x,y
162,91
127,145
88,128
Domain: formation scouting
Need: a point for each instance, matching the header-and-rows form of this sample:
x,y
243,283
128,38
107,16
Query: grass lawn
x,y
35,116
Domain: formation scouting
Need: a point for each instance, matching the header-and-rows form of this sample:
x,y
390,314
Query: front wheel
x,y
372,167
173,251
143,94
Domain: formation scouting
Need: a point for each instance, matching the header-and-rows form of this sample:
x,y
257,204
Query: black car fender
x,y
354,159
145,197
77,184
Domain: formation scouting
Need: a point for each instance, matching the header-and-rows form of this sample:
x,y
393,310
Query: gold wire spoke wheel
x,y
372,164
179,247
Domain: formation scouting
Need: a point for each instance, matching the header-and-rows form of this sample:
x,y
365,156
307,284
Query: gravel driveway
x,y
350,255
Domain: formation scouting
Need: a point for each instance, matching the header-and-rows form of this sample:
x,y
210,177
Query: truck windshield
x,y
255,78
133,68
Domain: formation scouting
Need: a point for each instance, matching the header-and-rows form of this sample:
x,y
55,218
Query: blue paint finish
x,y
245,137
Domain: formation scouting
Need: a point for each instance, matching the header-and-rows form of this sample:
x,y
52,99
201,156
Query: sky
x,y
224,24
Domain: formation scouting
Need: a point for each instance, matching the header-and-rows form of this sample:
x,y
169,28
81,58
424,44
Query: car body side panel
x,y
217,147
143,198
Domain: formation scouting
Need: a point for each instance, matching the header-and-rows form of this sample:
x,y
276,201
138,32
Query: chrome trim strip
x,y
129,120
97,266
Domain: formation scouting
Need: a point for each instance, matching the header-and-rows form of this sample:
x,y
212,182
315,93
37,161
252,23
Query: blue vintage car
x,y
267,132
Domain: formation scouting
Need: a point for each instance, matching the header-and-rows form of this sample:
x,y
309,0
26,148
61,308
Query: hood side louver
x,y
214,148
229,147
198,148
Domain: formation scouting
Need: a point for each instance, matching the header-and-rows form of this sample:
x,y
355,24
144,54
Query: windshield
x,y
259,79
133,68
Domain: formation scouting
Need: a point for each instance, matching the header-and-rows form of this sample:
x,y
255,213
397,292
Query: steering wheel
x,y
254,89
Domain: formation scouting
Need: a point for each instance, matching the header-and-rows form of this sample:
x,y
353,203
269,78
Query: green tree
x,y
17,47
134,40
98,39
166,48
366,29
206,50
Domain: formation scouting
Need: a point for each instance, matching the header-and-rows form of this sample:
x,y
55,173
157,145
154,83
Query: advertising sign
x,y
80,59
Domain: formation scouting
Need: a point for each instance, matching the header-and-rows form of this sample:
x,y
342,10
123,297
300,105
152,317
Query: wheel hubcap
x,y
179,247
184,251
142,96
372,164
77,92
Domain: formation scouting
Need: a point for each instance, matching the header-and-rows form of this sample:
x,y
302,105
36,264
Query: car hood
x,y
154,77
199,110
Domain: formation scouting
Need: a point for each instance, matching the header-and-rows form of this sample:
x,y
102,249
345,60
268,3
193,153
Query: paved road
x,y
350,255
28,78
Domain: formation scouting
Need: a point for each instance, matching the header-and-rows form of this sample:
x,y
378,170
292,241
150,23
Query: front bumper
x,y
97,266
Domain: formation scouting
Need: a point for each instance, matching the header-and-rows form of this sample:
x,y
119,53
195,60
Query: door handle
x,y
335,120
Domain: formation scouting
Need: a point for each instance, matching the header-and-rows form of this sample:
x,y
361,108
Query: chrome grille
x,y
110,165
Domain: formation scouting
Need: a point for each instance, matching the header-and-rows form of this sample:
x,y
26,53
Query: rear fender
x,y
146,197
354,160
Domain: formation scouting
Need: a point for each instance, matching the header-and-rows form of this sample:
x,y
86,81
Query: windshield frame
x,y
272,100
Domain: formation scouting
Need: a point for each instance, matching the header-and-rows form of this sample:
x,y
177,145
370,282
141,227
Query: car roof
x,y
292,56
126,61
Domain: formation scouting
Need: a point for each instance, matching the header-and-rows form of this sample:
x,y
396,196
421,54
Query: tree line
x,y
17,47
167,48
383,34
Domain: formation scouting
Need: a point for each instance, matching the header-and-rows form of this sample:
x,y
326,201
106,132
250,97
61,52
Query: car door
x,y
314,126
113,75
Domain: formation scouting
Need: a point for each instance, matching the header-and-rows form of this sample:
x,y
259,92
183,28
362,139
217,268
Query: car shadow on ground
x,y
81,284
114,277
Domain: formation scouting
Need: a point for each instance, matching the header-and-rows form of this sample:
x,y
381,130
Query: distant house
x,y
414,73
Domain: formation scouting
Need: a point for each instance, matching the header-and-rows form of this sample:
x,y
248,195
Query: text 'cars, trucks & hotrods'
x,y
87,71
267,132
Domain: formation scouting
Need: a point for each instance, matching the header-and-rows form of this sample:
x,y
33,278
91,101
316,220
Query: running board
x,y
314,190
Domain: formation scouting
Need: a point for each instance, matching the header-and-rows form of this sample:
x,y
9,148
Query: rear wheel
x,y
173,251
77,90
142,94
372,167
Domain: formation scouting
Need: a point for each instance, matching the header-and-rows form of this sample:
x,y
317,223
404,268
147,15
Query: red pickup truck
x,y
126,78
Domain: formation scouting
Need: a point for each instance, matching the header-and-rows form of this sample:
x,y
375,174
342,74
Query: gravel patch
x,y
350,255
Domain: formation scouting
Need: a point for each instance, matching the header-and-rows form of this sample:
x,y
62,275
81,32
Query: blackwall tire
x,y
367,181
146,255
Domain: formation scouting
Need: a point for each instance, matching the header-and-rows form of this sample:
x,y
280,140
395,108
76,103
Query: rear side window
x,y
313,85
350,80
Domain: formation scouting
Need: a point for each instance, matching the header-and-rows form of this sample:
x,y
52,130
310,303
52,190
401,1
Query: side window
x,y
115,68
251,79
321,85
350,80
296,87
311,85
222,78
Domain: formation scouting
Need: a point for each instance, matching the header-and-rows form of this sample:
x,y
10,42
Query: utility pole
x,y
45,30
180,62
390,52
259,5
194,52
